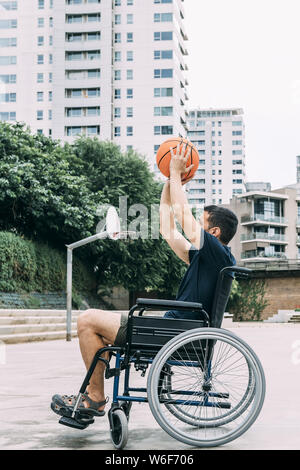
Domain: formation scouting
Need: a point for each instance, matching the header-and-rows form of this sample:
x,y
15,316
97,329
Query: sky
x,y
246,54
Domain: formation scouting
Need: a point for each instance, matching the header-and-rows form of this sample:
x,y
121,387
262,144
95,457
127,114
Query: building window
x,y
163,36
118,19
117,93
117,56
129,131
50,77
8,24
168,54
40,96
163,130
159,92
40,59
129,112
8,60
129,37
117,131
163,73
8,42
129,56
73,131
50,114
117,112
129,74
163,17
163,111
237,142
40,115
9,5
8,116
129,18
40,41
129,93
8,97
117,37
117,74
41,4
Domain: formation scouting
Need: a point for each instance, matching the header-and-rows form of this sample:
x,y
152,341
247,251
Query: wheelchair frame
x,y
148,338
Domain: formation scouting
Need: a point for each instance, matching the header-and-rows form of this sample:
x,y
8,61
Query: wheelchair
x,y
205,385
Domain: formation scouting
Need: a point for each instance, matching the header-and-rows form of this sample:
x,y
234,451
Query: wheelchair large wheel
x,y
188,416
206,387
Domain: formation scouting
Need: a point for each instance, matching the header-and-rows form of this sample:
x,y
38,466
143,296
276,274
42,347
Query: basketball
x,y
163,156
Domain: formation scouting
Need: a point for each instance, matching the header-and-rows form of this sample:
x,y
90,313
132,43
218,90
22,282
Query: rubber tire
x,y
170,347
119,433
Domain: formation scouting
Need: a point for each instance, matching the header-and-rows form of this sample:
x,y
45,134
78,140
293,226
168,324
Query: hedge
x,y
29,266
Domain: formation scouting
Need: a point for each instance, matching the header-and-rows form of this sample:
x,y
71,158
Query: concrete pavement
x,y
33,372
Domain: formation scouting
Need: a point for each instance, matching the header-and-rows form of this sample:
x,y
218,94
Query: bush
x,y
27,266
247,300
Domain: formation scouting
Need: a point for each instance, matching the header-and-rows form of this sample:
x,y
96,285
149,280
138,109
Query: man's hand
x,y
179,161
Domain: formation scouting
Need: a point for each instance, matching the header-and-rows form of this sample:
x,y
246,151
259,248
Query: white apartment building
x,y
114,69
26,63
219,135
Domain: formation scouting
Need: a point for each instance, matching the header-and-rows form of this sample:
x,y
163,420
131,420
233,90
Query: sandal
x,y
63,405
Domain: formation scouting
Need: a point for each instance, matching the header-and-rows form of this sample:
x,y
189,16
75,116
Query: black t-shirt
x,y
199,281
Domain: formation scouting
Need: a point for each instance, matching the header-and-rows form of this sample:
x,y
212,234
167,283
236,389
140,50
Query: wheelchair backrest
x,y
222,293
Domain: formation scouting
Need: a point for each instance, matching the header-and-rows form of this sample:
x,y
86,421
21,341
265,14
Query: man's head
x,y
220,222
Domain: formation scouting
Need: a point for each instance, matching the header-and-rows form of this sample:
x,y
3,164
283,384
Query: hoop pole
x,y
69,293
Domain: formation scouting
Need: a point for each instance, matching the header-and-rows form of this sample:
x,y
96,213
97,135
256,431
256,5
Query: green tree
x,y
247,300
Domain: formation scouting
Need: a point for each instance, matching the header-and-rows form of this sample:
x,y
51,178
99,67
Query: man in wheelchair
x,y
204,250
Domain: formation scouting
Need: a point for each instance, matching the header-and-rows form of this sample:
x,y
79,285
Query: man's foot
x,y
63,405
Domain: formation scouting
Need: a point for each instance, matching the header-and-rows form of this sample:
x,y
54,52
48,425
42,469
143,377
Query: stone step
x,y
294,319
8,312
31,328
39,336
33,320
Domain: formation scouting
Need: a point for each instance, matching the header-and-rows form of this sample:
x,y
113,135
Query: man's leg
x,y
96,329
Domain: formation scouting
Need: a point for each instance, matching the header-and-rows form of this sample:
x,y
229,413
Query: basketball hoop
x,y
113,226
114,232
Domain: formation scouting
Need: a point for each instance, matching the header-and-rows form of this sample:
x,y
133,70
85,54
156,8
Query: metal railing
x,y
264,218
263,236
262,254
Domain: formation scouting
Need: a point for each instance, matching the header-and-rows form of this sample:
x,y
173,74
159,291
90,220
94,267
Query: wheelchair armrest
x,y
159,304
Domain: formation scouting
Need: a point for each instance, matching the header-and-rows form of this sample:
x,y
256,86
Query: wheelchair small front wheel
x,y
118,428
206,387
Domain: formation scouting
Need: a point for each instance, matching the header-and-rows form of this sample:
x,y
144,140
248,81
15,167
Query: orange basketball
x,y
163,156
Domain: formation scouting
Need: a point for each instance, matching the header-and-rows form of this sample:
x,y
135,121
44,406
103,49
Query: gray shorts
x,y
122,332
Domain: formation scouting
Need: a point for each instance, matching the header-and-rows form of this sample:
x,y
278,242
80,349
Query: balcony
x,y
262,254
263,236
263,219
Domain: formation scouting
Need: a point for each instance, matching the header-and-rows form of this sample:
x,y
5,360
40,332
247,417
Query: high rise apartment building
x,y
219,135
114,69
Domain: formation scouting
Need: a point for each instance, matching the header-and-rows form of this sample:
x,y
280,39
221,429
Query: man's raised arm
x,y
183,214
168,229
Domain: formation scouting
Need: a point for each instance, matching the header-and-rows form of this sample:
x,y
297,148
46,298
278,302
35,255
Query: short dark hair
x,y
223,218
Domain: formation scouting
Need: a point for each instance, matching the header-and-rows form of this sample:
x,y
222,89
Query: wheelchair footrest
x,y
73,423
